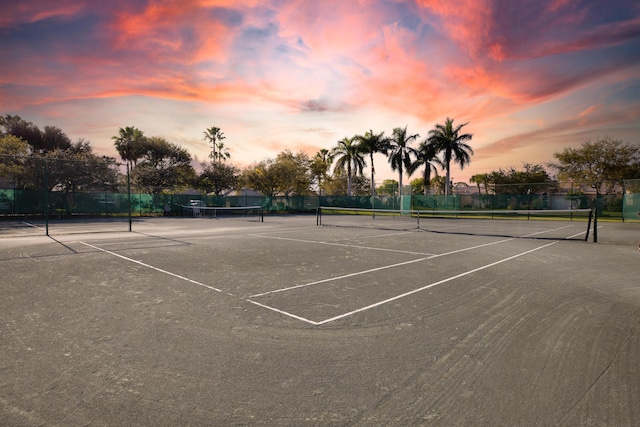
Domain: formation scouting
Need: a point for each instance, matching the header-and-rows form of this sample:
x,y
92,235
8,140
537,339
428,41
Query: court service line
x,y
397,297
338,278
154,268
342,244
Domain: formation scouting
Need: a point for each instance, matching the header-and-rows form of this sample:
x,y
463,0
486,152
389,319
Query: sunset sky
x,y
530,76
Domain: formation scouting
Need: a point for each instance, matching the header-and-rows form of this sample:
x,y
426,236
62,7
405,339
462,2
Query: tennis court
x,y
235,321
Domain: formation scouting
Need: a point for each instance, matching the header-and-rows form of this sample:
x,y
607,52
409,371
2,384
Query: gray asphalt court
x,y
215,322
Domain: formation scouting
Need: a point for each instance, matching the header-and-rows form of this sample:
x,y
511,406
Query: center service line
x,y
397,297
377,304
154,268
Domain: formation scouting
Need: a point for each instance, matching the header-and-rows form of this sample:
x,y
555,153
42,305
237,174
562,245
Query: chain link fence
x,y
99,187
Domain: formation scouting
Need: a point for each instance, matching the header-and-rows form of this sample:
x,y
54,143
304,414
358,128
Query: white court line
x,y
154,268
397,297
342,245
338,278
32,225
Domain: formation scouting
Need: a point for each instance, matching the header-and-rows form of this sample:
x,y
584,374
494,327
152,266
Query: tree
x,y
293,174
13,154
513,181
20,128
130,143
319,166
163,165
597,163
214,136
427,157
449,141
481,178
54,139
400,152
371,143
388,186
221,153
349,158
218,179
261,177
438,183
336,185
79,169
288,174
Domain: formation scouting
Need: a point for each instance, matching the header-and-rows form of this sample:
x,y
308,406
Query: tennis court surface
x,y
234,321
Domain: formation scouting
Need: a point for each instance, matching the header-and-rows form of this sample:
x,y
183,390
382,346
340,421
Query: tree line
x,y
157,165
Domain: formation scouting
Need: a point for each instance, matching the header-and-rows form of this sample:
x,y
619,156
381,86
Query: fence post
x,y
46,199
129,195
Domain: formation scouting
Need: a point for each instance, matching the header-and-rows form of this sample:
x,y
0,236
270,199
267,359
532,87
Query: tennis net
x,y
559,224
239,212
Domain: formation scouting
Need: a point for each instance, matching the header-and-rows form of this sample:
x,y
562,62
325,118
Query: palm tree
x,y
400,153
349,157
427,156
371,143
320,166
448,139
214,137
129,143
222,153
481,178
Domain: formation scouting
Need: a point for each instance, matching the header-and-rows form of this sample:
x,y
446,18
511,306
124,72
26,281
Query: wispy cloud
x,y
280,68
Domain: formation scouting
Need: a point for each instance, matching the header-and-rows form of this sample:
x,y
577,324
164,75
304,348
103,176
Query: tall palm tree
x,y
214,136
400,153
371,143
427,156
451,142
129,142
348,157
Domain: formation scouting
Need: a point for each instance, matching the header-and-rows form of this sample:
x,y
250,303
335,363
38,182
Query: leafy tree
x,y
336,185
601,164
13,154
51,139
130,143
371,143
262,177
54,139
349,158
218,179
427,157
293,174
20,128
513,181
400,153
438,183
389,186
448,140
79,169
163,165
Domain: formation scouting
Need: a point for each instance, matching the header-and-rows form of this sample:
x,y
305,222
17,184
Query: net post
x,y
261,214
418,223
319,216
586,237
